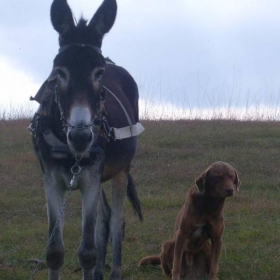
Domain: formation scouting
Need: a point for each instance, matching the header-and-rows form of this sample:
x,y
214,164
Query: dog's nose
x,y
229,192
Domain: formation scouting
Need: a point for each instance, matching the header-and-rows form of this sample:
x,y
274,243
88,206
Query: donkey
x,y
85,132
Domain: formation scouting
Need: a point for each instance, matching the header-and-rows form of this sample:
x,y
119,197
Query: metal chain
x,y
57,100
65,125
75,171
76,168
53,233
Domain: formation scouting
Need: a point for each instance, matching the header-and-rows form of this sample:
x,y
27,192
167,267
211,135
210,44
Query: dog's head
x,y
220,179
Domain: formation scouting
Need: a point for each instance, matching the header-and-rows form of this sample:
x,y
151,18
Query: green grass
x,y
170,156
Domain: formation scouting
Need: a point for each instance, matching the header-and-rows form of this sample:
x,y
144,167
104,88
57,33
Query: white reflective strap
x,y
128,131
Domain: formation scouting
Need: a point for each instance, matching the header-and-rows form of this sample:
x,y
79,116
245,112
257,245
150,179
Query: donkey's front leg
x,y
119,186
55,194
102,234
90,188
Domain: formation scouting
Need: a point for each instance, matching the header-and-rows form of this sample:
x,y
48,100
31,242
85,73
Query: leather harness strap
x,y
63,48
128,131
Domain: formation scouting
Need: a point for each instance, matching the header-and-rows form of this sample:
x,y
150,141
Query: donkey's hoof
x,y
116,276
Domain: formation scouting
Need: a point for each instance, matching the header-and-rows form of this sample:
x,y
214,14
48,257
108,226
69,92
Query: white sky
x,y
182,53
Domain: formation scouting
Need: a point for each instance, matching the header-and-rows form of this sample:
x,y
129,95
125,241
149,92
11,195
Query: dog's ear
x,y
237,181
201,181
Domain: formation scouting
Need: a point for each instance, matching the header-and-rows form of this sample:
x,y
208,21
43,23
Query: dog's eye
x,y
218,178
231,176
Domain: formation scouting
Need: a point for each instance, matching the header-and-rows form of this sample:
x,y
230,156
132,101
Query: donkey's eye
x,y
60,74
98,75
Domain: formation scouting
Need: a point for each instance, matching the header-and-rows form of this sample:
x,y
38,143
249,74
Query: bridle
x,y
96,121
99,117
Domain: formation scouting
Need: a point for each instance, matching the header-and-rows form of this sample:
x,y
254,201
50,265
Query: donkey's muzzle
x,y
80,140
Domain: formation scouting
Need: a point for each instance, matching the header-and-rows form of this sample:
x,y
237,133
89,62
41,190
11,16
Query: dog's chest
x,y
201,230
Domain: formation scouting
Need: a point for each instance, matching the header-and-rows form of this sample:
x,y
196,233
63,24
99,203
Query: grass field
x,y
170,156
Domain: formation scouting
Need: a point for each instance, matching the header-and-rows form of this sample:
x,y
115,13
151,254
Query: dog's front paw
x,y
213,278
176,275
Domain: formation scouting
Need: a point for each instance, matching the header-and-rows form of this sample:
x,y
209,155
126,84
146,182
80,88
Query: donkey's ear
x,y
200,182
104,18
61,16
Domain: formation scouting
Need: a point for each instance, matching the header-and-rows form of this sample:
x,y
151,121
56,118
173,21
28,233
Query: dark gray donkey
x,y
85,133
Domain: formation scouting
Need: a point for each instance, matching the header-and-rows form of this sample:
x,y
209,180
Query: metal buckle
x,y
107,129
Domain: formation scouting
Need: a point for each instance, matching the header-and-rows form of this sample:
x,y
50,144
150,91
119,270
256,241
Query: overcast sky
x,y
189,53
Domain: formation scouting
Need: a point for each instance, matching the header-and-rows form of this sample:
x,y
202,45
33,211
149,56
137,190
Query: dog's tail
x,y
150,260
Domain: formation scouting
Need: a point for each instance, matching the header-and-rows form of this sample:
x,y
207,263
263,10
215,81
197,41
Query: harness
x,y
48,96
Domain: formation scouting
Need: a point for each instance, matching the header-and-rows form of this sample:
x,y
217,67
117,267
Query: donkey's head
x,y
79,67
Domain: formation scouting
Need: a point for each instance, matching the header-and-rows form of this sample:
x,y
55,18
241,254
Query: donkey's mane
x,y
82,23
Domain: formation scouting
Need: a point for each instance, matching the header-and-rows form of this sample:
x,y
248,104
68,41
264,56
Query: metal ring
x,y
76,169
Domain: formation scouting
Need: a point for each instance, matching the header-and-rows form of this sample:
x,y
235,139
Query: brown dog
x,y
196,247
201,260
